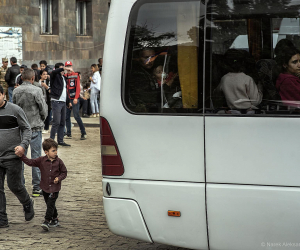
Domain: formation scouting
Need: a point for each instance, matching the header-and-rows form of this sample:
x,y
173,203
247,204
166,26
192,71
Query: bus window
x,y
246,60
163,66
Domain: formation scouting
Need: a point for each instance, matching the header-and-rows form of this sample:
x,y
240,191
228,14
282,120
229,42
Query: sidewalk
x,y
88,122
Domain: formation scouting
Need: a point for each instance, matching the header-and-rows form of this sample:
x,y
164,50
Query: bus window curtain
x,y
255,38
187,34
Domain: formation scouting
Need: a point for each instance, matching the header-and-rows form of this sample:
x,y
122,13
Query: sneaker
x,y
68,136
45,131
83,137
97,115
4,224
92,116
45,225
29,211
54,223
64,144
85,116
37,193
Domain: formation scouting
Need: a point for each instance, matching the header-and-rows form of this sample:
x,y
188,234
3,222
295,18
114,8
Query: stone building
x,y
54,30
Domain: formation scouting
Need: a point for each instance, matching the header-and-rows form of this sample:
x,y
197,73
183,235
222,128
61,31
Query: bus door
x,y
251,125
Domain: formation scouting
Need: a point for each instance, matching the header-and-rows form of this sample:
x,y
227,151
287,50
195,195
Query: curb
x,y
87,125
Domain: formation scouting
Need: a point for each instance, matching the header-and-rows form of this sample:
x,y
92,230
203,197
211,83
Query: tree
x,y
144,36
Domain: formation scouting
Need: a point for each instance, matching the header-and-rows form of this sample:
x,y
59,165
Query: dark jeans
x,y
84,105
36,151
81,103
47,121
50,199
68,121
10,93
77,117
13,169
89,109
59,120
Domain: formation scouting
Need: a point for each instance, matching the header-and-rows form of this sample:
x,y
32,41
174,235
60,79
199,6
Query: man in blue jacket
x,y
59,100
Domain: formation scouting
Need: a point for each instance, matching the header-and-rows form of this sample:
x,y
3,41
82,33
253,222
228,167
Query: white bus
x,y
187,161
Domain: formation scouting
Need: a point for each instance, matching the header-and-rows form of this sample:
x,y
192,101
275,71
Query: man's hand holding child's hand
x,y
19,151
55,180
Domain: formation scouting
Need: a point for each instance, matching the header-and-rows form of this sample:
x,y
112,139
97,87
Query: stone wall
x,y
64,44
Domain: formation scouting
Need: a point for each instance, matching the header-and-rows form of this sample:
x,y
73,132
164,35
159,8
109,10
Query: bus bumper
x,y
124,218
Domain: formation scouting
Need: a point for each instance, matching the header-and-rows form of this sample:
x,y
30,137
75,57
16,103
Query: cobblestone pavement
x,y
80,207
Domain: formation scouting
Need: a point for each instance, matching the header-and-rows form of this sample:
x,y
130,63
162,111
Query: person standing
x,y
84,102
73,87
10,76
95,90
44,66
44,83
19,79
3,83
30,98
37,71
100,62
13,123
59,101
51,180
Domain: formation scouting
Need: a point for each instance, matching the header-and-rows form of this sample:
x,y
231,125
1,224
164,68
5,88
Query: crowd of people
x,y
31,98
87,94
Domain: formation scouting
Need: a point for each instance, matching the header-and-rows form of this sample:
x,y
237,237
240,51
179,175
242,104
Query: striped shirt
x,y
14,130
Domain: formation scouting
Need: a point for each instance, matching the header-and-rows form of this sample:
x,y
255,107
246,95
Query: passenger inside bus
x,y
272,68
288,82
240,90
143,92
171,85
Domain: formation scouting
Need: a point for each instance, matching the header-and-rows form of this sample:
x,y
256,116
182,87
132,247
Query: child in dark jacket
x,y
53,171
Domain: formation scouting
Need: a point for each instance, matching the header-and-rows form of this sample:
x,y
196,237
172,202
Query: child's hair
x,y
42,71
49,143
34,66
95,66
43,62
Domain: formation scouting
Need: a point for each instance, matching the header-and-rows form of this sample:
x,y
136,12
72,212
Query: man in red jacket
x,y
73,88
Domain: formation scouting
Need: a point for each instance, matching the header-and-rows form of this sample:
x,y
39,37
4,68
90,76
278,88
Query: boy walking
x,y
53,171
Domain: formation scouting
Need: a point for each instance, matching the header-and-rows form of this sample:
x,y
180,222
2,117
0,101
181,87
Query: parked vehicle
x,y
181,164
